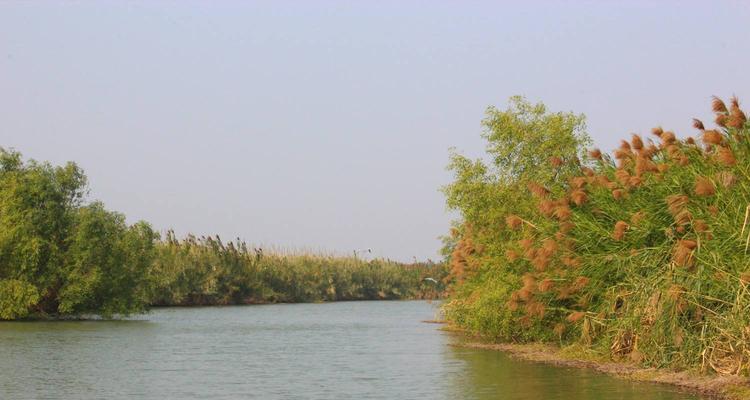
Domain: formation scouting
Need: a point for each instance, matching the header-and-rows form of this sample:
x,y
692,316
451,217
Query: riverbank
x,y
710,386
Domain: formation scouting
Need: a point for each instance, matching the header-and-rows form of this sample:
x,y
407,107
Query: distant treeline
x,y
640,256
62,256
201,271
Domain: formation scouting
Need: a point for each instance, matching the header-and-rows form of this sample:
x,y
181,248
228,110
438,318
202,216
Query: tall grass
x,y
640,256
203,271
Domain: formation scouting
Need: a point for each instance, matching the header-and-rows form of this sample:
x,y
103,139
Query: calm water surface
x,y
350,350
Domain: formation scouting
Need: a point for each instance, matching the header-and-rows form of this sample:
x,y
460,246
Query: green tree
x,y
59,256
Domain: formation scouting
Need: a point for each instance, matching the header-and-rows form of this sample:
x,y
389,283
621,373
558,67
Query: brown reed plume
x,y
737,118
683,253
637,217
546,207
513,222
698,124
668,138
556,161
725,156
526,243
541,261
535,309
717,105
619,232
622,176
538,190
637,142
658,131
721,120
712,137
618,194
704,187
726,178
562,212
677,203
581,282
579,197
571,262
595,154
511,255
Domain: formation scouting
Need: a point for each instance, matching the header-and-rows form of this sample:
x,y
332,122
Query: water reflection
x,y
489,375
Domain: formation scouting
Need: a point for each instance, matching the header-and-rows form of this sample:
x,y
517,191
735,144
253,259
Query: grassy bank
x,y
62,256
640,256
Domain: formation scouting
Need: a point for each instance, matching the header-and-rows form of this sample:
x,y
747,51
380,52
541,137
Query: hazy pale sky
x,y
326,125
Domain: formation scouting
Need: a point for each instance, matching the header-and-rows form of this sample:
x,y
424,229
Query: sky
x,y
325,125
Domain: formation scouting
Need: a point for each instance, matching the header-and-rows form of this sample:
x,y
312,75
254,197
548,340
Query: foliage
x,y
59,256
641,256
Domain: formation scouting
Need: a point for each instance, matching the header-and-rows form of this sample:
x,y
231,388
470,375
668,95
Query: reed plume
x,y
579,197
725,156
717,105
620,228
513,222
712,137
704,187
637,142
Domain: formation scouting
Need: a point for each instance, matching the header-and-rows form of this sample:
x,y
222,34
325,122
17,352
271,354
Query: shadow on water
x,y
491,374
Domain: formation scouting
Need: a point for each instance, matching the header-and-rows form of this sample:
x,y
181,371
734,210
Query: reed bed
x,y
640,256
207,271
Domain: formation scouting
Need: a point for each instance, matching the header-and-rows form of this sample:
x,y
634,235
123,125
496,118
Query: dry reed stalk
x,y
575,316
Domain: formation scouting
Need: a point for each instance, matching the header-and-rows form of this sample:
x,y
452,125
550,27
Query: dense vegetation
x,y
62,256
639,256
198,271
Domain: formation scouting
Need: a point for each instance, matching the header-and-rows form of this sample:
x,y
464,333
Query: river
x,y
346,350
